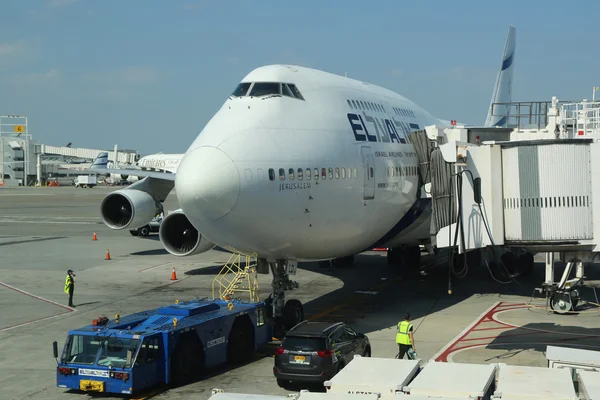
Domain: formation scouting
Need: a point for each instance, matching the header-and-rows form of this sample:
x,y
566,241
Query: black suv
x,y
314,352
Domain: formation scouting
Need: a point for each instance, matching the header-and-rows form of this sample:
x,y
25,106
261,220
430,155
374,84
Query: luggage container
x,y
306,395
589,385
220,394
560,357
453,380
370,375
528,383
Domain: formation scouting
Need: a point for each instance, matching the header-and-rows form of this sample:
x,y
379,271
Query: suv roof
x,y
314,329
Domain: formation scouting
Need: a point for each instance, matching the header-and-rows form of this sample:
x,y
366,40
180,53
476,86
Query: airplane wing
x,y
100,166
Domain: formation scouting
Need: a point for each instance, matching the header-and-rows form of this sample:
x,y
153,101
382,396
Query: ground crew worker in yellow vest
x,y
405,338
70,286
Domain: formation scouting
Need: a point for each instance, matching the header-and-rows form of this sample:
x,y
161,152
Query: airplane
x,y
298,165
158,162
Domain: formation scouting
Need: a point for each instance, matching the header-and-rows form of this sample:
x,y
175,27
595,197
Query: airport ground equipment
x,y
589,385
453,380
576,359
219,394
85,181
167,345
517,382
369,375
508,193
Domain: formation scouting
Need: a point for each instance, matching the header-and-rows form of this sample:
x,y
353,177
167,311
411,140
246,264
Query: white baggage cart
x,y
453,380
589,385
529,383
369,375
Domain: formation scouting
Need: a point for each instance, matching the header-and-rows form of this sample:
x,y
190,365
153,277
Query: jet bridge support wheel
x,y
562,302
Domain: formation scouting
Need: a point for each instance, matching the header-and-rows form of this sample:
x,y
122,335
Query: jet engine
x,y
180,238
128,208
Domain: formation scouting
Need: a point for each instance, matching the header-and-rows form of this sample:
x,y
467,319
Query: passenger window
x,y
349,104
296,92
285,90
349,173
271,174
323,173
343,173
362,106
264,88
261,174
316,174
241,89
308,174
291,172
336,337
299,174
248,174
337,173
355,172
354,104
330,173
281,174
383,108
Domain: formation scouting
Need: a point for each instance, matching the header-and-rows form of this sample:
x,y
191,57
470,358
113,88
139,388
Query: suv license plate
x,y
300,360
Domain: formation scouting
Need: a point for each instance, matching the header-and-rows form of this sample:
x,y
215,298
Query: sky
x,y
149,74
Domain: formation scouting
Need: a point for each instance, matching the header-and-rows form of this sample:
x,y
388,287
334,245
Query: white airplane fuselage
x,y
353,132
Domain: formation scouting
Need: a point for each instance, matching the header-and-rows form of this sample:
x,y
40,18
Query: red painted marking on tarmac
x,y
487,317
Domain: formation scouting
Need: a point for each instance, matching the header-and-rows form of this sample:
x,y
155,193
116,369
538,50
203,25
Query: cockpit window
x,y
241,89
295,90
285,90
264,88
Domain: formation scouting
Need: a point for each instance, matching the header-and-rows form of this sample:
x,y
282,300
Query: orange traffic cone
x,y
107,255
94,237
173,275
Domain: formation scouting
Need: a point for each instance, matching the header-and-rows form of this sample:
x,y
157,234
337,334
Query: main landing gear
x,y
286,314
408,257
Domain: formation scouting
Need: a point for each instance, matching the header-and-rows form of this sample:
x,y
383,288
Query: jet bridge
x,y
527,189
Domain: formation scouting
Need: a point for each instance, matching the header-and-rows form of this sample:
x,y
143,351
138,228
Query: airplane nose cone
x,y
207,184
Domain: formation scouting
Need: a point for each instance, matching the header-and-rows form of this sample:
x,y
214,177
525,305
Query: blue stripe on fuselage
x,y
407,220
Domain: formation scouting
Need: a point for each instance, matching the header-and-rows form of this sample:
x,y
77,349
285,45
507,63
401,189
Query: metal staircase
x,y
238,275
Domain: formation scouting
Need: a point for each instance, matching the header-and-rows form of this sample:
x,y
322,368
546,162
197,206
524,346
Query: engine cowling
x,y
128,208
124,176
180,238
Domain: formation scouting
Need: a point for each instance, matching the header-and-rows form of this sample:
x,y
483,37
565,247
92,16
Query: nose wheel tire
x,y
293,313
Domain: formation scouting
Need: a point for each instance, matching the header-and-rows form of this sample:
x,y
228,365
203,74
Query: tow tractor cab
x,y
167,345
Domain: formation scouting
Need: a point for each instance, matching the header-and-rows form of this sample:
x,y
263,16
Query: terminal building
x,y
26,162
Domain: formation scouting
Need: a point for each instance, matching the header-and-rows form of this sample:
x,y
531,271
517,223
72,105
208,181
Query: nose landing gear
x,y
285,314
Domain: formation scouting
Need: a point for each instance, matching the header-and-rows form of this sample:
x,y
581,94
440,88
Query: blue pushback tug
x,y
167,345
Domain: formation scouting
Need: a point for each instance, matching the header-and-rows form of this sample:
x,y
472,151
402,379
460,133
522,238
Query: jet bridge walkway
x,y
528,189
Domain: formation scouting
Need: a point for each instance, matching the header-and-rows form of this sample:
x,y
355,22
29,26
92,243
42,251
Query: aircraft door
x,y
369,185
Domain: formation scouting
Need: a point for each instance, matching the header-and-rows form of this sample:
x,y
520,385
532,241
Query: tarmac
x,y
45,231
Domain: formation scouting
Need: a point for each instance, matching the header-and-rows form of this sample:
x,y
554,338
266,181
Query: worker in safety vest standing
x,y
405,338
70,286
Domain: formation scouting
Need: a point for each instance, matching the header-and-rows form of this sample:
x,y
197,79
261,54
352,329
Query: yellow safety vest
x,y
67,284
403,335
